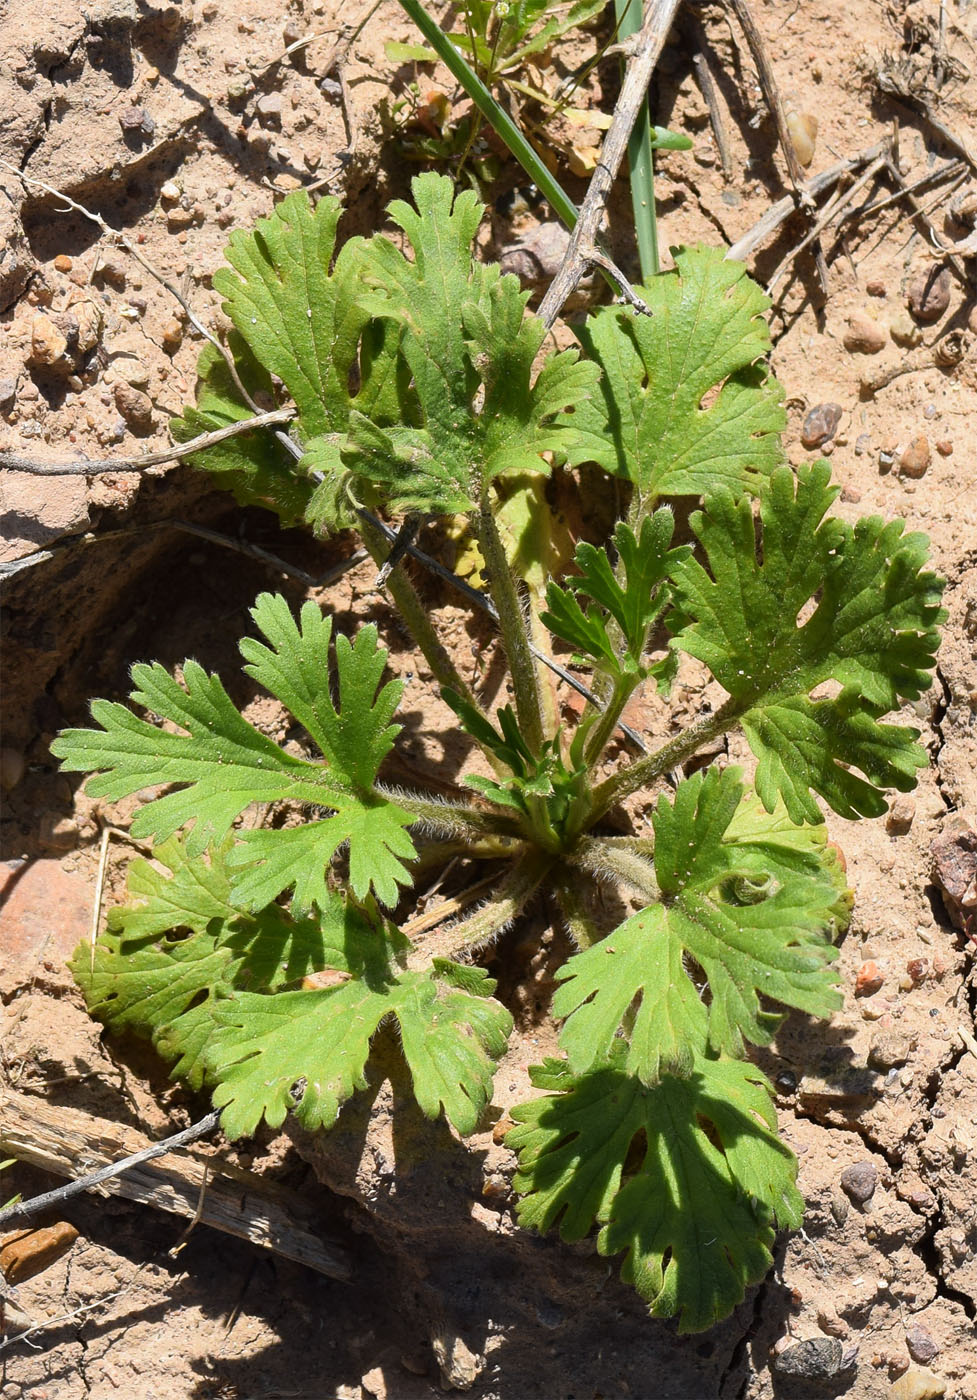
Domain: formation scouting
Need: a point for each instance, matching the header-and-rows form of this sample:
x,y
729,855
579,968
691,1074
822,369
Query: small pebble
x,y
48,343
859,1182
63,263
944,447
136,407
136,373
820,424
918,1383
269,109
914,459
172,334
900,816
12,768
904,330
8,393
840,1210
864,335
30,1251
851,494
169,192
178,218
875,288
869,979
862,444
57,832
890,1049
920,1344
816,1359
136,121
929,293
112,268
831,1324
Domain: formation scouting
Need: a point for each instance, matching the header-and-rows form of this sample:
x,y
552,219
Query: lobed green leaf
x,y
687,1177
822,601
687,401
753,911
222,764
306,1051
646,563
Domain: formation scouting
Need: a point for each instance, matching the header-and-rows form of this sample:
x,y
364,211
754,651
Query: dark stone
x,y
859,1182
817,1359
820,424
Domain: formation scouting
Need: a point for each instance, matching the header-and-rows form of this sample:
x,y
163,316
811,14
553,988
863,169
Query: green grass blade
x,y
498,119
641,161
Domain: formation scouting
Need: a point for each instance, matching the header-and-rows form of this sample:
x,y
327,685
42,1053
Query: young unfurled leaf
x,y
756,915
694,1210
635,606
471,349
306,1051
687,401
221,764
872,628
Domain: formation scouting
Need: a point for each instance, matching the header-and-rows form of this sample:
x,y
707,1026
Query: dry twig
x,y
921,215
582,251
68,1141
84,466
775,102
708,89
778,213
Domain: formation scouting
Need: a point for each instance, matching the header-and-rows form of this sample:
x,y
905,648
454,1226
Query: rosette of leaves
x,y
261,959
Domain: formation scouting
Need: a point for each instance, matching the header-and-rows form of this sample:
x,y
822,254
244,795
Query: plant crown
x,y
262,960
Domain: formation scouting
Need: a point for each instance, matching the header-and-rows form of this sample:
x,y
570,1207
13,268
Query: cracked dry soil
x,y
176,124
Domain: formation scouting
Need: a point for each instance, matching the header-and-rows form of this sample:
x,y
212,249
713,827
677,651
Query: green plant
x,y
419,384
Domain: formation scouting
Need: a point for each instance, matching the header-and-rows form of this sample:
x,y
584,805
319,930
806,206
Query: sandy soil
x,y
178,123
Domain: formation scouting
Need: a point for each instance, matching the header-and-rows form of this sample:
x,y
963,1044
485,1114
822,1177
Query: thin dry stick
x,y
582,251
919,106
778,213
23,1210
432,917
49,1322
83,466
952,170
775,102
103,855
837,206
240,546
920,213
708,89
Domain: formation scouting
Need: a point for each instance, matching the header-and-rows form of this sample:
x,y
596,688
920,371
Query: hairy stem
x,y
453,820
416,616
573,909
676,751
515,634
508,901
439,854
624,688
607,860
